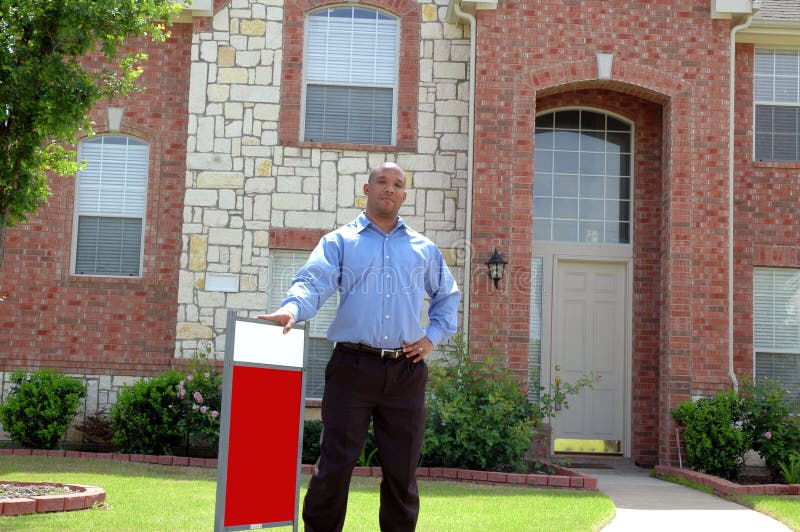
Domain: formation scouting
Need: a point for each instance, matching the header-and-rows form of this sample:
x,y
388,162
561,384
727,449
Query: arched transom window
x,y
582,182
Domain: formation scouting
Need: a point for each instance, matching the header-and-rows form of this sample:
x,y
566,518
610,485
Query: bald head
x,y
383,167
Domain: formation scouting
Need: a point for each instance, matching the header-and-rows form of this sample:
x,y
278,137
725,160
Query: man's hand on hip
x,y
418,350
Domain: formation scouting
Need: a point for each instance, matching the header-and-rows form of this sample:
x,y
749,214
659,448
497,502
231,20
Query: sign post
x,y
261,436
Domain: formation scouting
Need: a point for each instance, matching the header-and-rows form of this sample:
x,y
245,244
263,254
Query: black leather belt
x,y
377,351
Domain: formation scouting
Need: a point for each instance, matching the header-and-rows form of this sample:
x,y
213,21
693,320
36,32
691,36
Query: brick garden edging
x,y
80,498
122,457
726,488
564,478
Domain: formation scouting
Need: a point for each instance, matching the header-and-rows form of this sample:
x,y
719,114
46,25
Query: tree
x,y
46,93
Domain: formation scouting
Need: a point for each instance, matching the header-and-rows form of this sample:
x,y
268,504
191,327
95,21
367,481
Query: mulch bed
x,y
16,490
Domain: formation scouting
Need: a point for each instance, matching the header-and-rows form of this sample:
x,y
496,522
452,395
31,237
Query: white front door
x,y
589,338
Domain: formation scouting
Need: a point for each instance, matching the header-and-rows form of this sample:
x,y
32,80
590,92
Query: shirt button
x,y
387,295
387,256
387,316
385,337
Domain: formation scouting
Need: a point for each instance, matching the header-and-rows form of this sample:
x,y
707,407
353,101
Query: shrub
x,y
97,427
312,429
791,471
200,402
770,426
478,417
40,407
174,410
715,443
146,415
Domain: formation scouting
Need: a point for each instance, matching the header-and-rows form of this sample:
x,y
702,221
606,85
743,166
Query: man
x,y
382,270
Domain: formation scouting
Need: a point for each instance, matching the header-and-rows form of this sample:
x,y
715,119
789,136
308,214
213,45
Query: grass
x,y
684,482
784,508
142,497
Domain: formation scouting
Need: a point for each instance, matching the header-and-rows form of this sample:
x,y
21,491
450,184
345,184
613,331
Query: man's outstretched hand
x,y
282,317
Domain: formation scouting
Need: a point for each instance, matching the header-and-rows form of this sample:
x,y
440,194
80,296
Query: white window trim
x,y
76,215
768,350
770,103
395,88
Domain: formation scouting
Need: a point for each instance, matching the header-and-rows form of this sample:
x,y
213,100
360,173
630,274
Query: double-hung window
x,y
776,327
110,207
283,265
777,104
350,79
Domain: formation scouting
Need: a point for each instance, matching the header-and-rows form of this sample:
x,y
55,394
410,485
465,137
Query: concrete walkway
x,y
649,504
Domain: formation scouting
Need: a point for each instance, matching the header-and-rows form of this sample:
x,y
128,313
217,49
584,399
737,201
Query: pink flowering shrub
x,y
772,424
199,396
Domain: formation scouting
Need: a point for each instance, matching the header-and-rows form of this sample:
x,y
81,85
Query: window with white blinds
x,y
776,327
777,104
351,58
283,265
110,204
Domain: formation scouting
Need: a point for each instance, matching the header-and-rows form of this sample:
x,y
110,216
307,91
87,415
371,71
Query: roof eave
x,y
772,32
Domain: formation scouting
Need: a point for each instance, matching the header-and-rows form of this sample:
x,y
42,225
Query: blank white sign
x,y
265,343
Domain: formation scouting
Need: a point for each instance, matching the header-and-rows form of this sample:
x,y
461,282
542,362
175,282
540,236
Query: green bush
x,y
40,407
174,410
770,426
146,415
312,429
791,470
714,442
478,416
200,403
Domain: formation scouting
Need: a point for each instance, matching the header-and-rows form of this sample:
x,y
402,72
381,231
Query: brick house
x,y
635,163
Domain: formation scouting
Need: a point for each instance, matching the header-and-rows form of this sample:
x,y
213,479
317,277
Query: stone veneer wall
x,y
241,182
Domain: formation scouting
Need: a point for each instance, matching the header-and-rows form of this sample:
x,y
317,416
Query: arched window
x,y
350,78
582,182
110,206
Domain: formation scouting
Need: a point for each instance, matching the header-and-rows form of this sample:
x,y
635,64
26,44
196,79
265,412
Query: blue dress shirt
x,y
382,280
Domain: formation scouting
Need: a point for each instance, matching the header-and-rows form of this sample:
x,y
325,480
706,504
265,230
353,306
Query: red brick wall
x,y
767,229
97,325
291,238
292,72
670,58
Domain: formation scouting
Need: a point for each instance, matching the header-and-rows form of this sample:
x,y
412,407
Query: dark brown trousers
x,y
358,387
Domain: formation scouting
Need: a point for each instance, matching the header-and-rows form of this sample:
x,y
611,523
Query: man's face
x,y
386,191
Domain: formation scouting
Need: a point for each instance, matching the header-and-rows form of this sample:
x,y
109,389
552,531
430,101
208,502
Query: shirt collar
x,y
362,222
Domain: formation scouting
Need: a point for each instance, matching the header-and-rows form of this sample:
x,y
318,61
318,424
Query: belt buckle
x,y
388,353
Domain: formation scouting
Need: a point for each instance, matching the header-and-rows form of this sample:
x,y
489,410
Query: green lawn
x,y
785,509
142,497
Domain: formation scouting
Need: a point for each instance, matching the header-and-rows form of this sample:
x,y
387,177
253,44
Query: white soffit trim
x,y
195,8
771,32
468,6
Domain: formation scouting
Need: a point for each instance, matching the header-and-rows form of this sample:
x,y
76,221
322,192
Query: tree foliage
x,y
46,93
